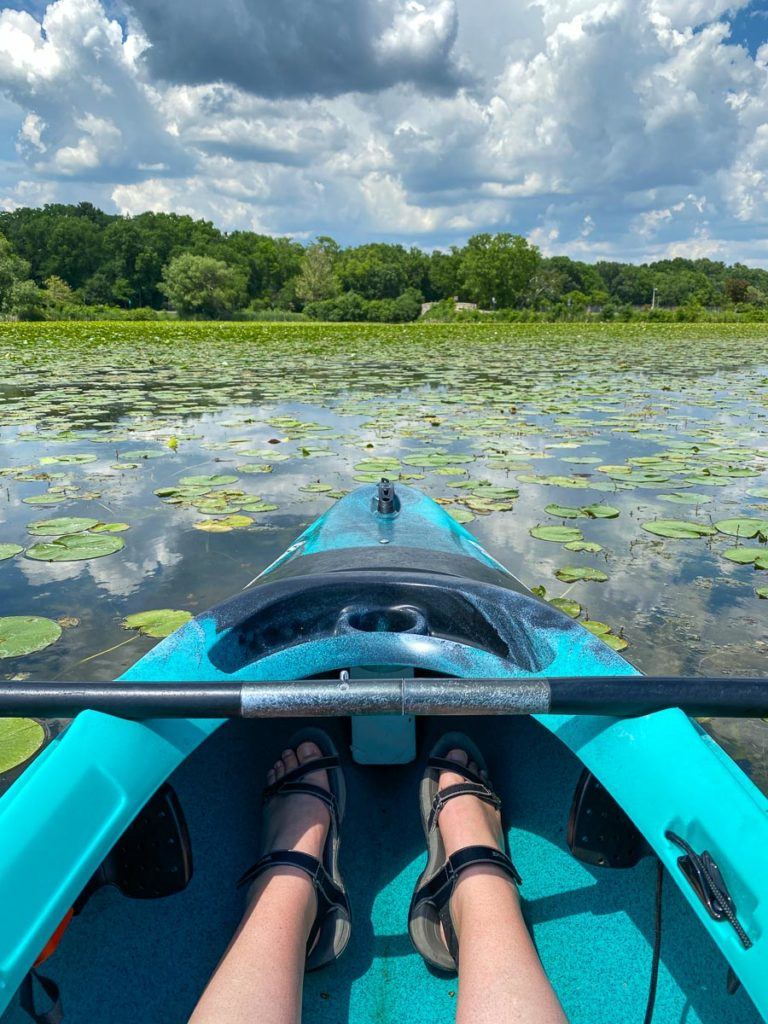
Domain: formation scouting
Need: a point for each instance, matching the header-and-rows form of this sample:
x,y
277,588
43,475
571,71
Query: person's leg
x,y
260,976
501,980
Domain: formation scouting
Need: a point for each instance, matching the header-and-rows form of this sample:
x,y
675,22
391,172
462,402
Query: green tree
x,y
26,301
58,292
203,286
316,279
499,268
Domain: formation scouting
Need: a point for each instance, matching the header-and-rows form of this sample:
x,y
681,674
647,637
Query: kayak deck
x,y
126,960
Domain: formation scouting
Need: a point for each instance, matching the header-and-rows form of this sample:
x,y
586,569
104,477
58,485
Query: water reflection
x,y
313,409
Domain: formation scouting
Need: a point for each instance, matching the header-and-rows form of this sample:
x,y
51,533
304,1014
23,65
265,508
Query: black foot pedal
x,y
152,858
599,831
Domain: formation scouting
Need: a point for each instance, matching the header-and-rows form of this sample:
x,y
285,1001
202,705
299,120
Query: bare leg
x,y
501,980
260,976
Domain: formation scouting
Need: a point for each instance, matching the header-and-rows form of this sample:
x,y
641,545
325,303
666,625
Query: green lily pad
x,y
461,515
562,511
144,453
110,528
616,643
556,534
316,488
208,481
566,605
575,573
254,467
160,622
762,592
76,460
678,529
584,545
20,738
748,556
743,527
62,526
685,498
75,547
598,628
9,550
233,522
25,634
601,511
758,492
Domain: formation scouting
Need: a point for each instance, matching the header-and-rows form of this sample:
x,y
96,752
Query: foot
x,y
467,821
297,821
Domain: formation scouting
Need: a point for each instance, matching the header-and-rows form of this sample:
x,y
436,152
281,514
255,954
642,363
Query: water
x,y
520,402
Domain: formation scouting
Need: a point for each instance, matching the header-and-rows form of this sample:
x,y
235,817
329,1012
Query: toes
x,y
271,777
308,752
473,767
458,755
289,760
279,769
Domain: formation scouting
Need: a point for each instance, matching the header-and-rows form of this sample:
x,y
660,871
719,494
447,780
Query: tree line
x,y
75,261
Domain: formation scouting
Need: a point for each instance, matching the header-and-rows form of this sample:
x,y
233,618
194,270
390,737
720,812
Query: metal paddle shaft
x,y
622,696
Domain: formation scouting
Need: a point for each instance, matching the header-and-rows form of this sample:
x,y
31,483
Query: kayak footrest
x,y
600,833
153,857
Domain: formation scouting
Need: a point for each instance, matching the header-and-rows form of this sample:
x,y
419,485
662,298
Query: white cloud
x,y
617,127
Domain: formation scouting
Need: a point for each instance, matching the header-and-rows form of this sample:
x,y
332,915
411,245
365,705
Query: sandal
x,y
430,922
331,928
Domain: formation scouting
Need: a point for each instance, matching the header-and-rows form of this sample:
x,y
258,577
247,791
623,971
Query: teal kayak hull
x,y
73,802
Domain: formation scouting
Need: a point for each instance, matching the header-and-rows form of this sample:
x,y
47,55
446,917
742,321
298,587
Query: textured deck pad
x,y
124,961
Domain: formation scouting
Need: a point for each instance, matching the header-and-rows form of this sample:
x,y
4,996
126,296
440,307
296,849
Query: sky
x,y
599,129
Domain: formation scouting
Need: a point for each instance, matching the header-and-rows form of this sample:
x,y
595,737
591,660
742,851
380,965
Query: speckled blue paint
x,y
663,769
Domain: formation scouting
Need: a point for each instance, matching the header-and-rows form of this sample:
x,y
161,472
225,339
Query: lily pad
x,y
584,545
20,738
233,522
562,511
598,628
208,481
600,511
110,528
76,460
9,550
62,526
743,527
556,534
576,573
748,556
762,592
75,547
461,515
685,498
160,622
25,634
678,529
566,605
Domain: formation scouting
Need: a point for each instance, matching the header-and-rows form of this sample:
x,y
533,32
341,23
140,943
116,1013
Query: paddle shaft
x,y
622,696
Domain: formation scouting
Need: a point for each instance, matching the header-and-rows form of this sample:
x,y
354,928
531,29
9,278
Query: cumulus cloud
x,y
600,128
75,72
326,48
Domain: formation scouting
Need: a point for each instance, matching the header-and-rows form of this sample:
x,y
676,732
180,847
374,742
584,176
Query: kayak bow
x,y
387,586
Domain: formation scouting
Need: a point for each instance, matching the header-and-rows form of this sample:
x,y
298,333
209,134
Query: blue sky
x,y
626,129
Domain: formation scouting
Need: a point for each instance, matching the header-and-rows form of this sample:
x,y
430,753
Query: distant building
x,y
426,306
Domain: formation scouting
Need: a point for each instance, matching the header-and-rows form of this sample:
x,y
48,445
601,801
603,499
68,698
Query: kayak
x,y
640,843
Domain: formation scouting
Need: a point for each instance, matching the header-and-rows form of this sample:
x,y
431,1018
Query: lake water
x,y
623,416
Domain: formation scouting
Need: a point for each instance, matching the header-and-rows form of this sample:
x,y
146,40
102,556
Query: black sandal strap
x,y
330,896
317,765
310,789
437,891
444,764
476,789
